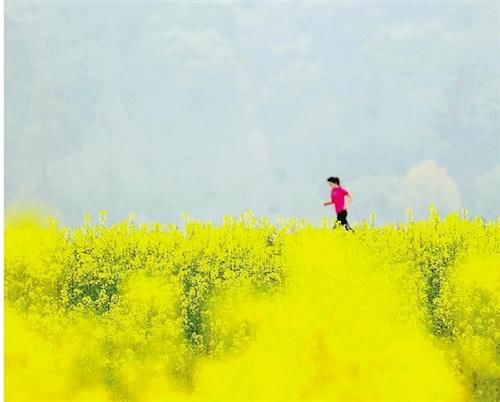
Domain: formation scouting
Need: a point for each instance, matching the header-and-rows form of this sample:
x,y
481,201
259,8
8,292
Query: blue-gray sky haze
x,y
218,108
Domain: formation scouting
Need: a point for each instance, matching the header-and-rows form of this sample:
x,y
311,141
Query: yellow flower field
x,y
252,310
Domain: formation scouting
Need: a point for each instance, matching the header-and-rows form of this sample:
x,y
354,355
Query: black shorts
x,y
342,218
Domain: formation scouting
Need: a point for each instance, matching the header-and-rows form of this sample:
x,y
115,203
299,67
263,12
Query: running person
x,y
337,195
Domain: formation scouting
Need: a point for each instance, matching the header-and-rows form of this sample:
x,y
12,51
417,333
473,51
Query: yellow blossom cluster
x,y
251,310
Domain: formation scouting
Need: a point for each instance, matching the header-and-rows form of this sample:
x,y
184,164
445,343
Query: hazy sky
x,y
217,108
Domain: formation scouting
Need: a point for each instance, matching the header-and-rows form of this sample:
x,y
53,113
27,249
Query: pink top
x,y
338,194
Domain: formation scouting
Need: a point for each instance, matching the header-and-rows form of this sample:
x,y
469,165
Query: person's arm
x,y
329,202
349,199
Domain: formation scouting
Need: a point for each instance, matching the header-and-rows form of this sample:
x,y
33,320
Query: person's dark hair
x,y
334,180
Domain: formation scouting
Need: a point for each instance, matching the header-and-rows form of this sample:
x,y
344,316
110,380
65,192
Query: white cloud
x,y
298,45
201,50
428,183
424,184
299,71
411,31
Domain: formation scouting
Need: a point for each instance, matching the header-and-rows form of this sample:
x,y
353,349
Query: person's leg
x,y
339,219
346,224
342,218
